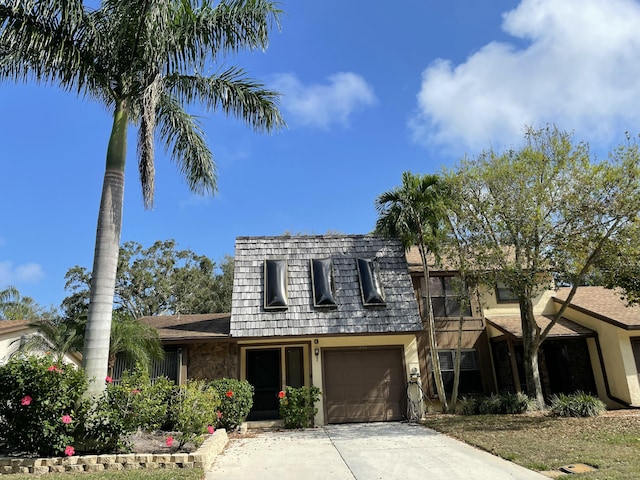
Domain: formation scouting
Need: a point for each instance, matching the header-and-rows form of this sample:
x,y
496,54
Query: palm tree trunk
x,y
431,328
105,262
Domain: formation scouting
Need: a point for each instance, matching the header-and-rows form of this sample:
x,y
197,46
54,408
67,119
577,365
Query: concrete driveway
x,y
362,452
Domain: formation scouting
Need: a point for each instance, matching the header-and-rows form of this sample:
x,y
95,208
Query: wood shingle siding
x,y
350,316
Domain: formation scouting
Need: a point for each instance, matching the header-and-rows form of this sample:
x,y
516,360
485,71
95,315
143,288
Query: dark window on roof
x,y
370,283
505,294
447,296
322,282
275,284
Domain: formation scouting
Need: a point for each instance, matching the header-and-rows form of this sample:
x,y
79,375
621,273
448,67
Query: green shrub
x,y
506,403
491,405
514,403
297,406
133,404
469,405
236,400
578,404
194,407
40,405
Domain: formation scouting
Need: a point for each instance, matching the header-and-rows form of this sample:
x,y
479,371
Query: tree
x,y
57,338
545,210
159,280
141,60
137,341
413,213
14,306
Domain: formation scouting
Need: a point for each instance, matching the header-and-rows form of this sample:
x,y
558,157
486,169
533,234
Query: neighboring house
x,y
11,334
614,346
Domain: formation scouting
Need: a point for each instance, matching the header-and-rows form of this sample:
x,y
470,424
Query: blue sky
x,y
370,90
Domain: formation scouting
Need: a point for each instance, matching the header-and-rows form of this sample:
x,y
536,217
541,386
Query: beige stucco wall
x,y
493,308
6,346
313,362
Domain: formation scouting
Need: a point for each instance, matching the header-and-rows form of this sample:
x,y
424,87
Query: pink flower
x,y
229,394
281,394
66,419
219,414
169,441
26,400
135,391
54,368
210,429
108,379
69,451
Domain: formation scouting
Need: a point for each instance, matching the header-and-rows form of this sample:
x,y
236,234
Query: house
x,y
11,334
613,347
343,313
334,311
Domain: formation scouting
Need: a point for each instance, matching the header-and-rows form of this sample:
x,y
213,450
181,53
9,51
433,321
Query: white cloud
x,y
321,105
27,272
579,70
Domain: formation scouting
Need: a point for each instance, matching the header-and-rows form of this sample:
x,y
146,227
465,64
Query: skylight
x,y
275,284
370,282
322,282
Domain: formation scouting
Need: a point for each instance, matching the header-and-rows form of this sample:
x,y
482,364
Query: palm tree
x,y
14,306
141,59
412,213
137,341
58,338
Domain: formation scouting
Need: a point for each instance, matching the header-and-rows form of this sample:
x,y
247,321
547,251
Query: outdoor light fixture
x,y
317,351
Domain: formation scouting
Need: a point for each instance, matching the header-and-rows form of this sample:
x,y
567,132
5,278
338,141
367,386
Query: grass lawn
x,y
611,442
173,474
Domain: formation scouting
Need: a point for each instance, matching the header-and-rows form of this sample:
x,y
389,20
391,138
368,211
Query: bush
x,y
40,405
133,404
194,407
578,404
469,405
507,403
297,406
236,400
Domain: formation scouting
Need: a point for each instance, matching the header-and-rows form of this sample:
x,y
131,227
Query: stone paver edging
x,y
203,457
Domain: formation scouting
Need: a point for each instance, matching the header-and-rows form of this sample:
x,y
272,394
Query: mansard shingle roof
x,y
250,319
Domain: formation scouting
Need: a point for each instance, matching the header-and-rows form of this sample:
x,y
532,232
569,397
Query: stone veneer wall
x,y
212,360
203,458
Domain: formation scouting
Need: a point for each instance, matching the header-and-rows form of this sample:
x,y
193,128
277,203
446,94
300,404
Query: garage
x,y
364,385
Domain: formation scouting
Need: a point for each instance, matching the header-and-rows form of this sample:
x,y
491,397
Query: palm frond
x,y
203,31
233,93
52,41
184,136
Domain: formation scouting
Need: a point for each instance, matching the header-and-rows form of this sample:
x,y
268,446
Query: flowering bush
x,y
297,406
193,409
39,402
131,405
236,401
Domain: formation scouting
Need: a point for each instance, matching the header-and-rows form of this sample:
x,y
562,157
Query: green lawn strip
x,y
157,474
540,442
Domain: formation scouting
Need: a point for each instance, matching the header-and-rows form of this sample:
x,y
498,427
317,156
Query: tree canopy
x,y
158,280
547,210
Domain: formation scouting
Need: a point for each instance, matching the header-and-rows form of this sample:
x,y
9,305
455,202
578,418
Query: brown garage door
x,y
364,385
